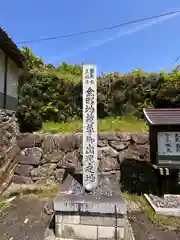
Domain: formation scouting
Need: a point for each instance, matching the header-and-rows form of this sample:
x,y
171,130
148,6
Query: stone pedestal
x,y
100,214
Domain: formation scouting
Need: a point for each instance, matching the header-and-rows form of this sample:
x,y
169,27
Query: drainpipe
x,y
5,80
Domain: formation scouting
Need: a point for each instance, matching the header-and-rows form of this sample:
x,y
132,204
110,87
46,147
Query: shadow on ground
x,y
139,177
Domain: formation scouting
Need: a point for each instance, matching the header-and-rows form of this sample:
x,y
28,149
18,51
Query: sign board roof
x,y
162,116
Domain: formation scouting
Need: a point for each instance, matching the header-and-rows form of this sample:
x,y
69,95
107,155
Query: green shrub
x,y
45,95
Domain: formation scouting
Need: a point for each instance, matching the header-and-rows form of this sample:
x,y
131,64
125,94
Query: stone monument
x,y
93,208
90,166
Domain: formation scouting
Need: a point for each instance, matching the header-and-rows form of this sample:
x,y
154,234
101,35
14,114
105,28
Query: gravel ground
x,y
24,220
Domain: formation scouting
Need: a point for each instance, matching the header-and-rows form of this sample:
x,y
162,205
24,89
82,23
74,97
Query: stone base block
x,y
99,215
101,231
75,226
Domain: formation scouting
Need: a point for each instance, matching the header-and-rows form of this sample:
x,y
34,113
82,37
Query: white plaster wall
x,y
12,76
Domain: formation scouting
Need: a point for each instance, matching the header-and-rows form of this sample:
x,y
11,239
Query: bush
x,y
46,96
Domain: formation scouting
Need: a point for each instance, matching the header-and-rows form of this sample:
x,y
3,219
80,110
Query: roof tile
x,y
162,116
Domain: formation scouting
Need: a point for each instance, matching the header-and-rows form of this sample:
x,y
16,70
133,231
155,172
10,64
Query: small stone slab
x,y
89,203
168,206
71,186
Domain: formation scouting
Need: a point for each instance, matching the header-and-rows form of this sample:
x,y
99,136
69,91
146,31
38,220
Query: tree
x,y
70,68
32,60
50,66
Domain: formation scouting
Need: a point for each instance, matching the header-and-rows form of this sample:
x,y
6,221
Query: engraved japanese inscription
x,y
89,127
168,143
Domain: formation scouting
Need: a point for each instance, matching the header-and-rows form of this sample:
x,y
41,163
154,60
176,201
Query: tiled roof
x,y
162,116
10,48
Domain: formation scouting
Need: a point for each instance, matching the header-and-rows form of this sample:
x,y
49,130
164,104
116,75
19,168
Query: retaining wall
x,y
9,149
44,158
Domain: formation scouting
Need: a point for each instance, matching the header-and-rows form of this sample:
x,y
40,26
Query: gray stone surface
x,y
107,231
59,174
76,231
103,220
109,164
21,179
27,140
66,142
31,156
169,205
48,144
140,139
23,170
9,150
124,137
107,151
69,160
89,204
71,186
106,198
80,231
45,180
55,156
119,145
102,143
108,136
65,150
44,170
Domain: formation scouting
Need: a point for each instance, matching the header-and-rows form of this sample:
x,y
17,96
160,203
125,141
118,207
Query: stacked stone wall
x,y
44,158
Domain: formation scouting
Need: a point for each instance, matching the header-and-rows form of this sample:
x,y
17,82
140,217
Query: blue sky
x,y
153,48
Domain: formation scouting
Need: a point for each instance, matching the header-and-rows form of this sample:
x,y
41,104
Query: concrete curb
x,y
175,212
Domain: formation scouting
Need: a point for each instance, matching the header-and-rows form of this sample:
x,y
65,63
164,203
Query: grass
x,y
119,124
166,222
28,191
48,192
4,203
43,192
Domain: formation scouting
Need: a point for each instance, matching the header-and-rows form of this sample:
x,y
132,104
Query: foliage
x,y
54,94
169,91
75,70
44,96
32,60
